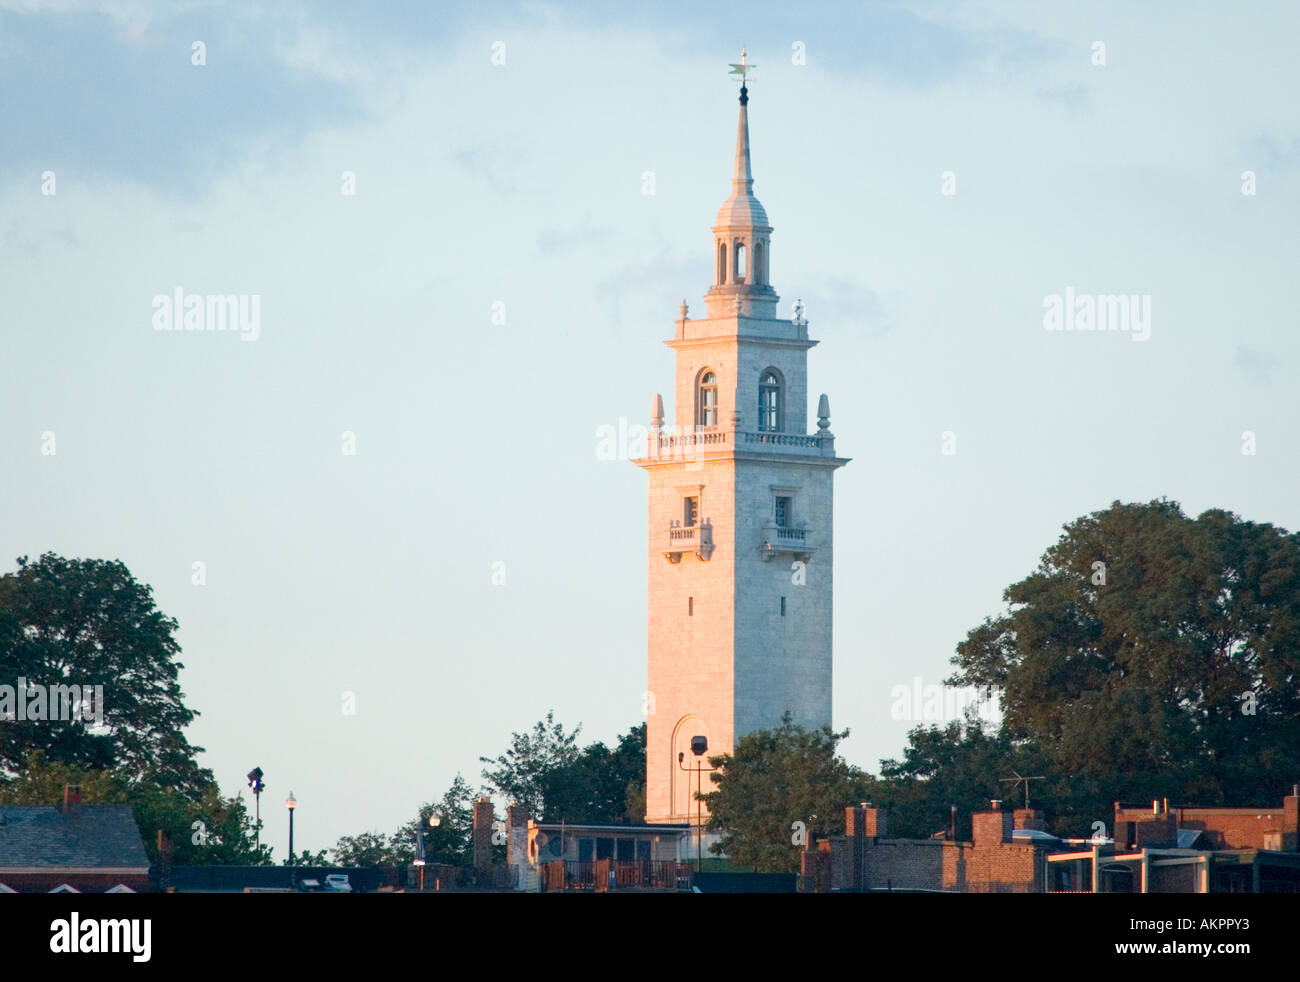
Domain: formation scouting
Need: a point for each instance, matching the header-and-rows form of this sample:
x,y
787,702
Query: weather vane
x,y
744,69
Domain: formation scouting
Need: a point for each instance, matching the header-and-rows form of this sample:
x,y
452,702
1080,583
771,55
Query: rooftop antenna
x,y
1015,782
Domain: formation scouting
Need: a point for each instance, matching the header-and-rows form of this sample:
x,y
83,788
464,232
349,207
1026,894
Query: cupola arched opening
x,y
770,401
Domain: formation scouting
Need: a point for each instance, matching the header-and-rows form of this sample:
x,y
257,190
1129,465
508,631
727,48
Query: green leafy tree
x,y
771,781
367,849
450,841
602,785
538,764
1153,655
88,622
308,858
205,830
546,772
961,765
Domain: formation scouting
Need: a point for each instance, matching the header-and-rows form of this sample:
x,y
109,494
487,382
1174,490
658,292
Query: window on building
x,y
690,511
626,850
722,263
769,403
690,606
642,848
783,606
782,512
740,262
586,848
708,415
760,263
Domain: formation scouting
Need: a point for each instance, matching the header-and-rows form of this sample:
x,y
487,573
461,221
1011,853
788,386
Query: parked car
x,y
338,882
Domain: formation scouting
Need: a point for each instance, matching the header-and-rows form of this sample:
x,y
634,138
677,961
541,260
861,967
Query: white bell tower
x,y
739,518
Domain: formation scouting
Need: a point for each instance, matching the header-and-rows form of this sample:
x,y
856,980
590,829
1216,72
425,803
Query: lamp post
x,y
419,846
256,783
699,745
291,803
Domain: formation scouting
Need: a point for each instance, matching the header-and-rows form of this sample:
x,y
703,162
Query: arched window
x,y
722,263
708,403
760,265
740,262
769,402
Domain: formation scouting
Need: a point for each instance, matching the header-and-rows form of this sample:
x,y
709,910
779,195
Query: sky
x,y
498,288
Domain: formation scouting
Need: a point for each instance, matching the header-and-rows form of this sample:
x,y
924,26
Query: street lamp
x,y
699,745
291,803
256,783
434,822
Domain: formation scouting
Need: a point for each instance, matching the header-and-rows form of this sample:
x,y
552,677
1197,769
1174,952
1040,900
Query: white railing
x,y
778,539
689,538
686,446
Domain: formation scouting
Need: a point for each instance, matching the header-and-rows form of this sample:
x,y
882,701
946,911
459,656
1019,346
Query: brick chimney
x,y
71,798
866,820
1291,820
991,826
483,816
1160,830
516,835
1028,818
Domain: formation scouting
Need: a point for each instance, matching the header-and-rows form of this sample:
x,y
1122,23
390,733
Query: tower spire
x,y
742,177
741,233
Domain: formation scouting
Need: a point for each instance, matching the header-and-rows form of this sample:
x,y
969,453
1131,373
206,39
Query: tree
x,y
205,830
1153,655
961,765
366,849
308,858
87,622
773,780
450,841
527,772
602,786
546,773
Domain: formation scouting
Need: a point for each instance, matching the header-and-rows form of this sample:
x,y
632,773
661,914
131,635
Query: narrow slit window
x,y
783,606
690,606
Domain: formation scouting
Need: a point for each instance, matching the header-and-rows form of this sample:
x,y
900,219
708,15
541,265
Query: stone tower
x,y
740,517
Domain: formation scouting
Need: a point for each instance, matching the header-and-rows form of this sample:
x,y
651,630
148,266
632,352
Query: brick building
x,y
1189,850
997,860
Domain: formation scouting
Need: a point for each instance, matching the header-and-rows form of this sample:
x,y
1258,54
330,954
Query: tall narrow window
x,y
690,509
769,403
722,263
690,606
708,400
760,263
740,262
783,606
782,512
